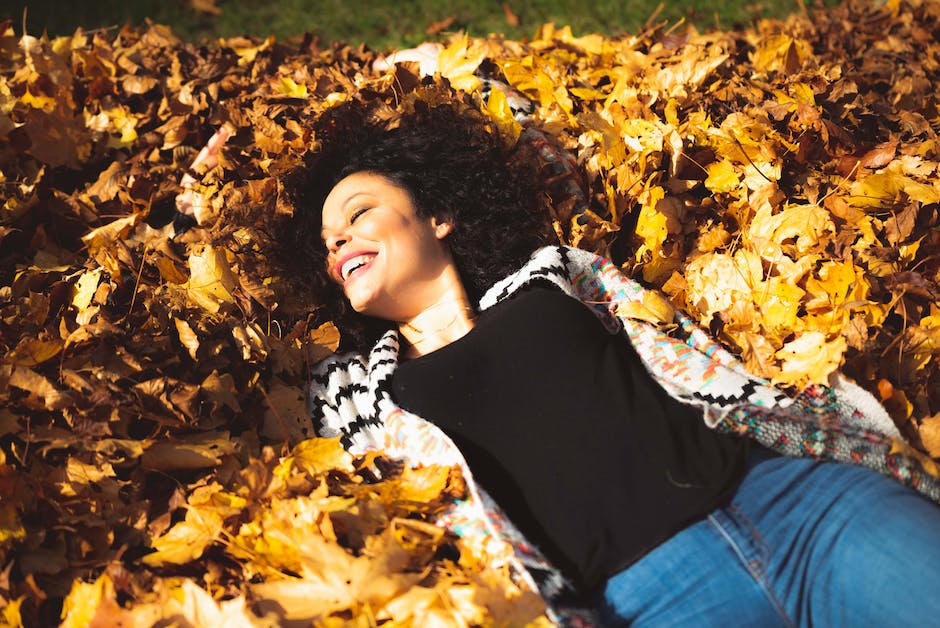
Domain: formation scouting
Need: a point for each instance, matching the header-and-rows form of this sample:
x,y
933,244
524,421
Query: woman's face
x,y
389,261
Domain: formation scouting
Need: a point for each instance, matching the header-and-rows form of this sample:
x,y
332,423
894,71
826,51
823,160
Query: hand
x,y
425,54
189,202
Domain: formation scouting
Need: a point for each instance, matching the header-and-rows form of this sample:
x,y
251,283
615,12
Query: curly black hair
x,y
454,164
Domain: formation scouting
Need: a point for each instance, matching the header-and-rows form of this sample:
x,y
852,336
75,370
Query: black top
x,y
564,427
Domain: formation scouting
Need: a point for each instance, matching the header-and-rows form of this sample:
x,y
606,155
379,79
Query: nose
x,y
335,241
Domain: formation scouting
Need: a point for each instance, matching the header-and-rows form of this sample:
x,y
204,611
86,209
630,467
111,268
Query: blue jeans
x,y
802,543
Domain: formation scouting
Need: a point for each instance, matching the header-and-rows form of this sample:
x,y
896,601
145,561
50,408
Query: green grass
x,y
382,24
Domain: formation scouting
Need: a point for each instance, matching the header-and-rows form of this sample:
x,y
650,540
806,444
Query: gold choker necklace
x,y
428,333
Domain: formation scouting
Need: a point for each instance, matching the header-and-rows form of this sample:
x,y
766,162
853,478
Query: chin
x,y
364,306
361,308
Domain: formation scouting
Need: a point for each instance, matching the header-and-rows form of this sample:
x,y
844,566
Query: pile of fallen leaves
x,y
780,184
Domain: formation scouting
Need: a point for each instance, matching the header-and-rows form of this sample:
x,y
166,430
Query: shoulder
x,y
541,305
540,294
548,264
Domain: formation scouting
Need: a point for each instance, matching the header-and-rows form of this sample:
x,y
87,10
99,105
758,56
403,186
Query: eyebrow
x,y
324,229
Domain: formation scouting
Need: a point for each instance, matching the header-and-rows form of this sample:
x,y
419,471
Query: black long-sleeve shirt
x,y
563,426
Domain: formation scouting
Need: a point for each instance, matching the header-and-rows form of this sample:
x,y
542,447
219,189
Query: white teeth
x,y
353,263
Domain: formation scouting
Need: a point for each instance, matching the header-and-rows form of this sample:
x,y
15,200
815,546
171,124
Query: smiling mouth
x,y
354,265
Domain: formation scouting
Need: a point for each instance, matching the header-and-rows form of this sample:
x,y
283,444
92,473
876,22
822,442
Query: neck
x,y
439,324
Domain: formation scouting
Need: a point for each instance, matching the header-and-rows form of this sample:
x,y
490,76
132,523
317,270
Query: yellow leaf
x,y
11,529
803,225
325,341
422,484
881,189
800,94
803,94
592,44
319,455
651,224
187,336
38,101
722,177
304,599
457,63
920,345
85,289
652,308
642,135
419,606
250,340
211,281
781,53
11,613
198,608
588,229
560,95
713,237
835,283
79,474
907,252
717,280
115,230
188,539
809,358
247,53
332,580
779,303
761,176
287,87
585,93
757,354
288,536
922,192
213,496
497,105
81,604
169,271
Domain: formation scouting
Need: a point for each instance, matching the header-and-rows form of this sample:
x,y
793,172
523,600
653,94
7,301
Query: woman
x,y
594,433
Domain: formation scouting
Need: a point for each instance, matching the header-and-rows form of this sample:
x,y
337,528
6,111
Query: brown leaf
x,y
325,341
221,390
104,235
38,386
205,6
188,452
437,26
286,416
111,181
930,434
33,351
188,539
879,156
899,226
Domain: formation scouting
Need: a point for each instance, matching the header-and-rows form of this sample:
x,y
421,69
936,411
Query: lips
x,y
351,264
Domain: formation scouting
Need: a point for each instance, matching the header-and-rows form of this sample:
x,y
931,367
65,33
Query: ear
x,y
442,227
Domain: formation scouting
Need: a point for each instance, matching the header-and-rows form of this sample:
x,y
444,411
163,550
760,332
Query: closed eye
x,y
355,215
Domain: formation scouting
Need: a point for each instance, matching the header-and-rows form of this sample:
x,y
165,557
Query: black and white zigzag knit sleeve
x,y
348,395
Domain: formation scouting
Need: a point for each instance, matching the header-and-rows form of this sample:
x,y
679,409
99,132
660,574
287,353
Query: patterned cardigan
x,y
350,398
